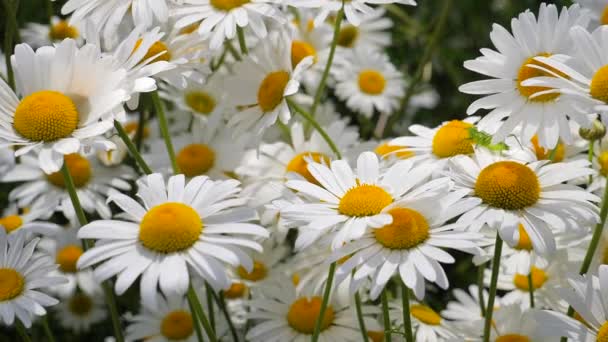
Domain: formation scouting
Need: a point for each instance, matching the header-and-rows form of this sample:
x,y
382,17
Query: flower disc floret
x,y
258,272
524,242
300,50
67,258
227,5
526,72
508,185
80,304
371,82
170,227
387,151
408,229
453,139
200,102
80,170
177,325
348,36
299,164
539,277
512,338
303,313
602,334
11,284
62,30
195,159
364,200
11,222
425,314
270,93
599,84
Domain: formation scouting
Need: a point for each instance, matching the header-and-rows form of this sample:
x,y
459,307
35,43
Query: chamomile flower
x,y
512,323
265,266
203,100
93,182
427,324
37,35
197,227
12,221
220,18
465,310
23,277
412,244
371,34
79,312
597,9
513,191
368,82
505,94
263,80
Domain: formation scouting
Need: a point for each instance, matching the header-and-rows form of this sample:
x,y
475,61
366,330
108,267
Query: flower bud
x,y
596,132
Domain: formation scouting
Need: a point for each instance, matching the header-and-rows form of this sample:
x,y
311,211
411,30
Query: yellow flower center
x,y
539,277
599,84
227,5
348,36
195,159
408,229
453,139
512,338
67,257
604,17
131,128
271,90
425,314
236,290
80,304
371,82
602,334
258,272
170,227
508,185
177,325
300,50
524,242
299,164
11,284
376,336
387,151
45,115
543,154
155,49
190,28
61,30
11,222
526,72
364,200
603,161
79,168
200,102
303,314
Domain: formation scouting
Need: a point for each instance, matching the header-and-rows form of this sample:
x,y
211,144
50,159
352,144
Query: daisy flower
x,y
507,96
427,324
14,221
93,182
512,323
79,312
287,315
597,10
265,265
23,276
37,35
203,100
513,192
263,80
221,18
368,81
181,227
412,244
465,310
371,34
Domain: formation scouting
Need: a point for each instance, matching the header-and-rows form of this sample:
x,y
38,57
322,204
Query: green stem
x,y
132,148
196,305
590,157
330,60
224,308
47,329
597,234
22,331
196,322
480,287
141,125
308,117
111,302
360,317
386,316
71,188
241,34
407,320
49,11
209,296
233,51
531,289
327,292
493,281
552,153
164,130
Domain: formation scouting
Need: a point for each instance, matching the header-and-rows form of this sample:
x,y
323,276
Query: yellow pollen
x,y
539,277
227,5
258,273
79,168
80,304
299,164
11,284
603,161
295,279
155,49
604,17
200,102
303,314
170,227
177,325
599,84
131,128
195,159
67,257
602,334
364,200
371,82
61,30
45,115
508,185
11,222
236,290
348,36
300,50
271,90
543,154
453,139
376,336
524,242
425,314
526,72
387,151
512,338
310,25
408,229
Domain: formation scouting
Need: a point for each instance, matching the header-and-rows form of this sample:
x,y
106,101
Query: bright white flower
x,y
202,100
427,324
513,191
93,182
465,311
37,35
265,266
512,323
181,227
597,9
13,221
23,277
529,107
371,34
368,82
81,311
412,244
220,18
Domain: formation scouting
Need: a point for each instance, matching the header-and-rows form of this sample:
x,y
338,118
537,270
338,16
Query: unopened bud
x,y
596,132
